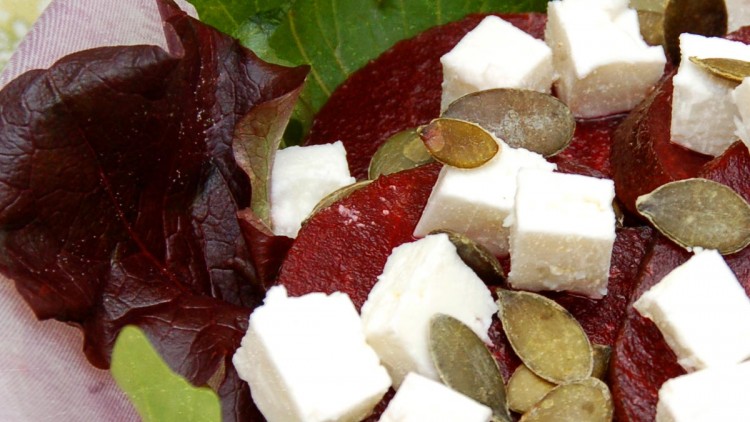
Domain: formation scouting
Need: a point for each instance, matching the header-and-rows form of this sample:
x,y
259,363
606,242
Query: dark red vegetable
x,y
119,196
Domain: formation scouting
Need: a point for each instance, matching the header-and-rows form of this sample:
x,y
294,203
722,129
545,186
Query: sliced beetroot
x,y
643,157
399,90
731,168
591,145
344,247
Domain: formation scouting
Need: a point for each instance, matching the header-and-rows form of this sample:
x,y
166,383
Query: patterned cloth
x,y
44,375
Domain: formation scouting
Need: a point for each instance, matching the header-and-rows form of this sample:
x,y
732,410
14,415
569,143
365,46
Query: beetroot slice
x,y
401,89
731,168
344,247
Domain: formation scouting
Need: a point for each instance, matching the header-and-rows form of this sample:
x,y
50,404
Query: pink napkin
x,y
44,375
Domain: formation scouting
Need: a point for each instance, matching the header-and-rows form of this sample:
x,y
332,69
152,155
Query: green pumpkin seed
x,y
477,257
546,337
602,354
458,143
729,69
402,151
588,400
466,365
522,118
525,389
702,17
699,213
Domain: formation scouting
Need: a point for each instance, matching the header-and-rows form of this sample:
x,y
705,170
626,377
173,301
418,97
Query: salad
x,y
124,202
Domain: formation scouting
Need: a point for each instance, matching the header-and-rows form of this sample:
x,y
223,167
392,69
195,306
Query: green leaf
x,y
336,37
157,393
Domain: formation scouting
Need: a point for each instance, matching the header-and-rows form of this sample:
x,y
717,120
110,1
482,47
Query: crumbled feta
x,y
702,311
605,67
741,98
306,359
421,399
496,54
562,233
715,394
300,178
419,280
476,201
703,111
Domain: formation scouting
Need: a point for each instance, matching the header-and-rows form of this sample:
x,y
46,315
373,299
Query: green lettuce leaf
x,y
335,37
158,394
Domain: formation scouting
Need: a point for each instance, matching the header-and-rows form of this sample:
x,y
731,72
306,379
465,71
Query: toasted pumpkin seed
x,y
587,400
652,26
702,17
729,69
458,143
545,336
525,389
476,257
602,354
522,118
466,365
699,213
337,195
402,151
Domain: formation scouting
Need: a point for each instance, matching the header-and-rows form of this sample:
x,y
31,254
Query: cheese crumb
x,y
421,399
496,54
562,233
419,280
702,311
300,178
605,66
306,359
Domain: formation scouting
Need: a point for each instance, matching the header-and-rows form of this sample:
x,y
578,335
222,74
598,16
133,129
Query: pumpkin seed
x,y
458,143
652,26
477,257
402,151
702,17
699,213
522,118
588,400
525,389
729,69
545,336
337,195
602,354
466,365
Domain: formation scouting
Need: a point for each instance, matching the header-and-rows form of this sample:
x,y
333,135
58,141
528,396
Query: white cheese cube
x,y
421,399
419,280
476,201
300,178
702,312
703,111
715,394
741,98
562,233
496,54
738,14
605,67
306,359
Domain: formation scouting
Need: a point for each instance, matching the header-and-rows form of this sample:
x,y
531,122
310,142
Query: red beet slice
x,y
731,168
401,90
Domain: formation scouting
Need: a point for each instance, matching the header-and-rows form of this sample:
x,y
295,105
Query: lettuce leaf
x,y
120,195
336,37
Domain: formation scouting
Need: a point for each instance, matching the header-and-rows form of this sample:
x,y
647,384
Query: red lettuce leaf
x,y
119,196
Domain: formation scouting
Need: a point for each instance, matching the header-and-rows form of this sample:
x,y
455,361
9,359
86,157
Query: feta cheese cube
x,y
306,359
702,311
715,394
476,201
300,178
703,111
562,233
496,54
421,279
605,67
741,98
738,14
421,399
